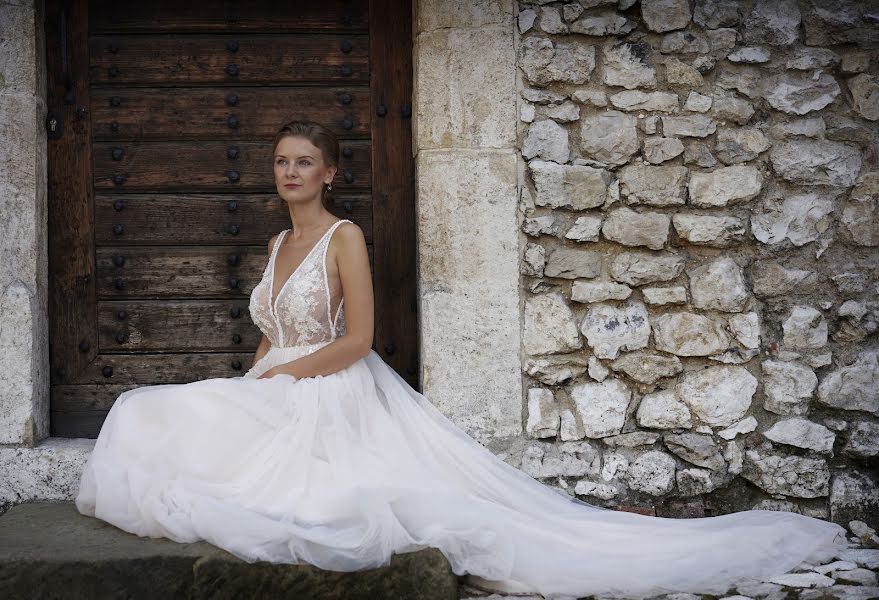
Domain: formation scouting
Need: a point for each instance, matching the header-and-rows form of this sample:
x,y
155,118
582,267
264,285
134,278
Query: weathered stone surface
x,y
770,278
800,93
565,112
638,268
665,15
800,218
746,329
630,228
625,66
663,410
855,494
746,425
609,137
863,440
787,387
591,97
774,22
632,100
804,329
597,371
695,481
688,126
829,22
733,146
816,162
809,59
550,20
719,285
598,291
684,42
696,448
585,487
569,186
603,23
87,558
610,329
544,61
656,186
585,229
727,106
749,55
689,334
567,459
534,260
745,79
802,433
697,153
652,473
550,326
666,295
543,224
719,396
812,127
857,320
788,475
680,73
646,367
713,14
709,230
601,407
543,413
569,263
853,387
548,140
696,102
657,150
555,369
724,185
860,215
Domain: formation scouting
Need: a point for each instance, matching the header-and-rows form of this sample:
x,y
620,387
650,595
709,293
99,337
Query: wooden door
x,y
161,199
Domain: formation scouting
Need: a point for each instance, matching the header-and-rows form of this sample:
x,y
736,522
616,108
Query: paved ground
x,y
49,550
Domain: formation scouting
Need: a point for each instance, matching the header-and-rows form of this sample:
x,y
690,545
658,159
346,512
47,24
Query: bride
x,y
321,453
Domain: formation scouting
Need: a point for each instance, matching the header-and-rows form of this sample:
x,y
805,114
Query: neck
x,y
309,218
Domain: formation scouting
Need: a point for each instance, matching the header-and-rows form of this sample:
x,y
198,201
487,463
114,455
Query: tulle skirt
x,y
343,471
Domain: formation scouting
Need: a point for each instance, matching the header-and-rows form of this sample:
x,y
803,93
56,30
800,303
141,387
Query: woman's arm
x,y
261,350
353,263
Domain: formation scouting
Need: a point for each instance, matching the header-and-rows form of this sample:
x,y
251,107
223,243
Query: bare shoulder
x,y
272,242
350,236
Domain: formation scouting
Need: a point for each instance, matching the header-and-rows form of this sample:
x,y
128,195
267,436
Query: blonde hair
x,y
319,136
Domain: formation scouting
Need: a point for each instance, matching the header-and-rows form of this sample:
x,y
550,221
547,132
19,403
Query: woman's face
x,y
300,173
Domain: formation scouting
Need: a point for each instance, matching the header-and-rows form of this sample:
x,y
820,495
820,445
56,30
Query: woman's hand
x,y
277,370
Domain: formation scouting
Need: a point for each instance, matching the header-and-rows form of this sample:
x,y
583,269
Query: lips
x,y
291,185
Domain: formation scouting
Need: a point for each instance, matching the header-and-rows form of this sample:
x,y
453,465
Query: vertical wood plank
x,y
73,341
393,186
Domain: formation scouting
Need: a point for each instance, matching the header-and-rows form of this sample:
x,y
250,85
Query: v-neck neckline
x,y
274,302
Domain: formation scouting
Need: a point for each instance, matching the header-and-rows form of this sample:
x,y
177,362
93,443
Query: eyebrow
x,y
303,156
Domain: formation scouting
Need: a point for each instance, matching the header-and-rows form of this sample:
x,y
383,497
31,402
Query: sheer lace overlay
x,y
302,313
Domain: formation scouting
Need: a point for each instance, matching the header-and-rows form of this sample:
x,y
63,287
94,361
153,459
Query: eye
x,y
307,162
279,161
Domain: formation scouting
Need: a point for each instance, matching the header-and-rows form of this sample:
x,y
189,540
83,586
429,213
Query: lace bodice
x,y
301,313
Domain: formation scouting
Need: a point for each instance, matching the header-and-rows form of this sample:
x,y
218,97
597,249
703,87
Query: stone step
x,y
49,550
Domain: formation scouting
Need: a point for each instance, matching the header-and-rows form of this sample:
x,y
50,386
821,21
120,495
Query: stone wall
x,y
699,265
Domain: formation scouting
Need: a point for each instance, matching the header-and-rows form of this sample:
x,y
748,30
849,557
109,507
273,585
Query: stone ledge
x,y
49,550
50,470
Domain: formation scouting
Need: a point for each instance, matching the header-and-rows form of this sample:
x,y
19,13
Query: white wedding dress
x,y
344,470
